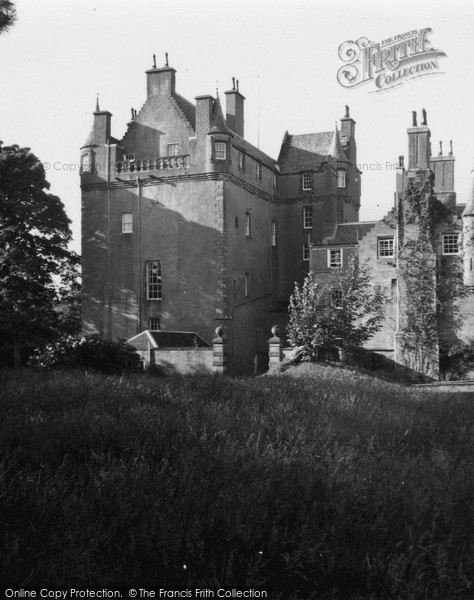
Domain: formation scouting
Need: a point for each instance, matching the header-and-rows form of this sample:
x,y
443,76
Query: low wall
x,y
181,360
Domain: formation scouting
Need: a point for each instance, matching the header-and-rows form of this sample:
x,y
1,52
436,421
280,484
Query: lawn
x,y
319,483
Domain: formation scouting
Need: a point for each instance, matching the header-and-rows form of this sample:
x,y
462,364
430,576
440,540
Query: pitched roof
x,y
188,108
168,339
306,149
349,233
253,151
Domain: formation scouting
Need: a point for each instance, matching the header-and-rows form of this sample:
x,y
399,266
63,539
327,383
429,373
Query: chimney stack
x,y
234,108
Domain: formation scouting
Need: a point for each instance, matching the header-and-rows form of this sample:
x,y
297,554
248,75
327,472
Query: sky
x,y
60,55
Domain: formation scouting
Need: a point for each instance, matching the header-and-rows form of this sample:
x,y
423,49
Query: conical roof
x,y
335,149
218,123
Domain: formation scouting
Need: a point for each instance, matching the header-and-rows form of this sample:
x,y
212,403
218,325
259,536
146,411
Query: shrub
x,y
88,352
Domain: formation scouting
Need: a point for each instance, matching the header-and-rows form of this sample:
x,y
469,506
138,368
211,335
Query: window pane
x,y
127,222
153,280
335,258
174,149
307,217
220,150
305,252
307,181
341,179
154,323
450,244
386,247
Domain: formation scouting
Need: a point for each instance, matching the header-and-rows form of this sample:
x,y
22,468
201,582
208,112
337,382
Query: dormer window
x,y
341,178
220,150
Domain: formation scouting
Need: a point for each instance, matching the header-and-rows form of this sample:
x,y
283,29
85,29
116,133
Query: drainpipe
x,y
139,255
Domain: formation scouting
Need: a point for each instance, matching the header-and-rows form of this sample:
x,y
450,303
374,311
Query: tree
x,y
7,15
34,258
342,312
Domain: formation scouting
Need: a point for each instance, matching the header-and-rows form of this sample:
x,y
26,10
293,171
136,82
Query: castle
x,y
186,226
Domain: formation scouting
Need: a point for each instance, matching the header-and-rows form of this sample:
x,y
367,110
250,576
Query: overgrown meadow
x,y
318,483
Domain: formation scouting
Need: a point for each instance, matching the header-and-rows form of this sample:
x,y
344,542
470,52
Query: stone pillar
x,y
275,355
219,346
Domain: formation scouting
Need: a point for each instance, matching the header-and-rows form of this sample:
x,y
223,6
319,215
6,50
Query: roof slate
x,y
188,108
349,233
298,151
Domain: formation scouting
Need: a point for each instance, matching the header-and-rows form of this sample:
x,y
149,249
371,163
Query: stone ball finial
x,y
275,331
219,331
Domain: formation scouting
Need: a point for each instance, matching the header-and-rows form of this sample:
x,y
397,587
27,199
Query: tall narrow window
x,y
127,222
274,233
336,298
174,149
153,280
274,180
241,160
308,217
258,170
305,251
451,243
154,324
341,178
307,182
335,258
247,285
247,224
85,163
220,150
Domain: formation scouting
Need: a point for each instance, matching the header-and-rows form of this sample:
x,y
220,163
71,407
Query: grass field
x,y
318,483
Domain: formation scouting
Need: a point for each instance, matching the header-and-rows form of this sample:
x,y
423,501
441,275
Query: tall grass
x,y
319,484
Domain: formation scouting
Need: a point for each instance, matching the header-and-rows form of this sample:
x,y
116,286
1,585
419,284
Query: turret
x,y
468,237
220,136
93,155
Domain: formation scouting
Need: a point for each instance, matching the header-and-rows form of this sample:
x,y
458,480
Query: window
x,y
336,298
451,243
258,171
385,247
130,157
153,280
127,222
247,285
241,160
341,178
273,231
154,323
247,224
236,222
308,217
174,149
220,150
305,251
274,180
85,162
335,258
307,181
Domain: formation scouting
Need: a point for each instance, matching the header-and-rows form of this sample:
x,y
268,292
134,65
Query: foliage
x,y
341,313
430,285
456,360
320,483
90,352
7,15
34,255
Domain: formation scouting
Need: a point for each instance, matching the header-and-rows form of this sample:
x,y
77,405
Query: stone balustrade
x,y
153,164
